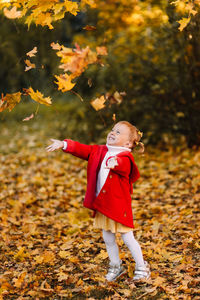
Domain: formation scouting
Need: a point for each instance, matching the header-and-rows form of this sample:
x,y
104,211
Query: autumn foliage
x,y
137,60
132,14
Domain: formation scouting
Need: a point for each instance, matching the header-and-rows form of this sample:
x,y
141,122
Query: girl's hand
x,y
57,144
111,163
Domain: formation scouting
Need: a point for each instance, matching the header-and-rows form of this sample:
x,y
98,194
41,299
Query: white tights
x,y
131,243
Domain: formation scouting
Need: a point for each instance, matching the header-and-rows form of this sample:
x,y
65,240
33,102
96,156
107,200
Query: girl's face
x,y
119,136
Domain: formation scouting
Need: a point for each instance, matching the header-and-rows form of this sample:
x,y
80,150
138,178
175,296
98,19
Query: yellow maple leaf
x,y
38,97
183,23
64,82
13,13
98,103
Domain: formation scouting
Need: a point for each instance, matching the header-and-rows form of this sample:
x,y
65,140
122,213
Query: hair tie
x,y
140,133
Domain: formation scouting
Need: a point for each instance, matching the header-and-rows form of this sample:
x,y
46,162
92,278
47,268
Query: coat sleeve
x,y
77,149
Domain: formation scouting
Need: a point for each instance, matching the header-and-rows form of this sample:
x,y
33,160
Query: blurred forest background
x,y
154,63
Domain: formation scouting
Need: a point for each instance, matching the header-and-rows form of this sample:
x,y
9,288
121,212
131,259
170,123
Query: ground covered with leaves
x,y
49,249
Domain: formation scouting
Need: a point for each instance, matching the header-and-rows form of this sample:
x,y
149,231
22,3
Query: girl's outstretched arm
x,y
57,144
75,148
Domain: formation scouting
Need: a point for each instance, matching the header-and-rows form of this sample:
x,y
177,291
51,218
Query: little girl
x,y
111,172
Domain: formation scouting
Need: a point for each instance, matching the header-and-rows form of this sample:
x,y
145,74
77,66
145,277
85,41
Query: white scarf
x,y
103,172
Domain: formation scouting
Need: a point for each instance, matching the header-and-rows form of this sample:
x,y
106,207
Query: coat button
x,y
125,214
110,176
103,191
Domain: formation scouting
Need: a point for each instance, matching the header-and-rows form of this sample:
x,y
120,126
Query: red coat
x,y
114,199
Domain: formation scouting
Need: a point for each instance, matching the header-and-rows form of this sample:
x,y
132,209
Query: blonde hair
x,y
135,136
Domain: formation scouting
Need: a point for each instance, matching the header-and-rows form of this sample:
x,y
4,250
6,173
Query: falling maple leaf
x,y
114,117
115,98
29,65
90,82
64,82
9,101
32,52
183,23
56,46
13,13
89,28
98,103
28,118
118,97
38,97
102,50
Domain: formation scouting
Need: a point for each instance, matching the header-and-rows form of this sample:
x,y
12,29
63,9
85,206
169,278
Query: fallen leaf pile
x,y
50,250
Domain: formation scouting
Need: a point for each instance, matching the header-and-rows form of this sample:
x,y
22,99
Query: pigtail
x,y
137,142
141,147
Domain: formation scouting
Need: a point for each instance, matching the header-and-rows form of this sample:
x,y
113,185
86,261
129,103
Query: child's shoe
x,y
142,272
114,271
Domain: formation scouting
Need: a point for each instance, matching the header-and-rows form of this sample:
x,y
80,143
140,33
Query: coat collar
x,y
117,149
